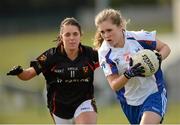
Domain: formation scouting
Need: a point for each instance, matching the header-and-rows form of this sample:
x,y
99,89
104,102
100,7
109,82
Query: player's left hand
x,y
159,57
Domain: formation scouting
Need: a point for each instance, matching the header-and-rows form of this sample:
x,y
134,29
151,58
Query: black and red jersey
x,y
69,83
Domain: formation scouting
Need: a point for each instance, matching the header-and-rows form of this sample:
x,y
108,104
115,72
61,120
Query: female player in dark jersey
x,y
69,72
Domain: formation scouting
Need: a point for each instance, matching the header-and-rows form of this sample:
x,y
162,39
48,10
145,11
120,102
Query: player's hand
x,y
16,70
136,70
159,57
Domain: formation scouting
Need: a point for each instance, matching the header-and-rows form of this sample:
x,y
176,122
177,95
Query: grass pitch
x,y
20,49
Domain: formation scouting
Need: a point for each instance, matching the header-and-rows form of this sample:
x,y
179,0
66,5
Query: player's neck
x,y
72,54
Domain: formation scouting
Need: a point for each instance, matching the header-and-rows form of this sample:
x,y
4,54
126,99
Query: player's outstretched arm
x,y
23,74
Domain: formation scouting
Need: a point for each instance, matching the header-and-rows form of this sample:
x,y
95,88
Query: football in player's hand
x,y
148,60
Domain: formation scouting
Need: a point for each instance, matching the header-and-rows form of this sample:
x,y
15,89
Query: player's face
x,y
110,32
71,37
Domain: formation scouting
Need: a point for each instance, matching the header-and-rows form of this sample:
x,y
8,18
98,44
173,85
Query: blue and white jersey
x,y
116,60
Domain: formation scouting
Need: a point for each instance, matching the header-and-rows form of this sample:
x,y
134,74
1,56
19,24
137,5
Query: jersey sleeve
x,y
146,39
39,64
95,58
108,66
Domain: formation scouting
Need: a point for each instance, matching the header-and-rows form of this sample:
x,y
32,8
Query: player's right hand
x,y
136,70
16,70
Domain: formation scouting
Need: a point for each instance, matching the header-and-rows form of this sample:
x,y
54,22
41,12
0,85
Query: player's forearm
x,y
165,51
117,82
27,74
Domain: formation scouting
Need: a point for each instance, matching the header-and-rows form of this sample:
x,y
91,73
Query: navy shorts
x,y
156,102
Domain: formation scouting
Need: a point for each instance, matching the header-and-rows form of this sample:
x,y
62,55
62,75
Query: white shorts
x,y
86,106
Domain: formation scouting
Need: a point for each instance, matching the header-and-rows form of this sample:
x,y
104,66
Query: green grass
x,y
20,49
29,116
106,115
111,115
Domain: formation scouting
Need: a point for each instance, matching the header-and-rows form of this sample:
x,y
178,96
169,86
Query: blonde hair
x,y
107,14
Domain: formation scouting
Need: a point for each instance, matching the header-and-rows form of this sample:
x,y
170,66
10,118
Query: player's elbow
x,y
115,86
115,82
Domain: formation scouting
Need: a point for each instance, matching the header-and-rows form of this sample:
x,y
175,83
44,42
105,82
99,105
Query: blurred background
x,y
28,27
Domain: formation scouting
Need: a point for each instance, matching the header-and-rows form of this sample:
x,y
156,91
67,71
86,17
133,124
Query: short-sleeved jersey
x,y
116,61
69,83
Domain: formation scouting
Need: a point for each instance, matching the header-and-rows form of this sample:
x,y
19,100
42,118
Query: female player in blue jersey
x,y
143,99
69,73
